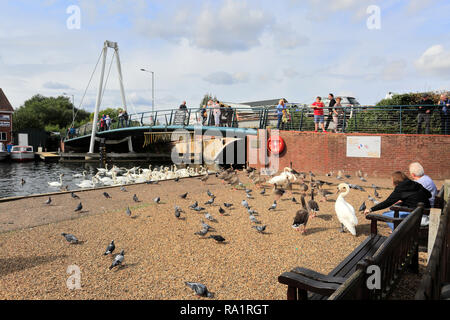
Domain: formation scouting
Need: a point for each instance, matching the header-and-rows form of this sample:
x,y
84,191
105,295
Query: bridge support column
x,y
130,145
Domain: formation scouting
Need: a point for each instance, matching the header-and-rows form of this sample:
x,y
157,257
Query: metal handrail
x,y
401,119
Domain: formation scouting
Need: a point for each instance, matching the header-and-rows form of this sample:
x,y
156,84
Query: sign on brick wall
x,y
364,146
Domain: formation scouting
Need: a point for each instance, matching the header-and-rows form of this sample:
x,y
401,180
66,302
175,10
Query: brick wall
x,y
322,153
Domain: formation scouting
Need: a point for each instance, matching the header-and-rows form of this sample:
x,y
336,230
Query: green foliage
x,y
47,113
414,98
113,113
206,98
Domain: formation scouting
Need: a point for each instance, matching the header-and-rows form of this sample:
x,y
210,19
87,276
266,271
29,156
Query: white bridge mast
x,y
113,45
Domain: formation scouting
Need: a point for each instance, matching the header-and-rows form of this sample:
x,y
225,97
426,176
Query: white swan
x,y
345,211
56,183
87,183
283,178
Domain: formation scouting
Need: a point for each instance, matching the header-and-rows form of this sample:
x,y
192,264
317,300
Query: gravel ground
x,y
161,252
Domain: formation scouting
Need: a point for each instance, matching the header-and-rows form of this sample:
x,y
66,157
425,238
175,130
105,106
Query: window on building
x,y
3,136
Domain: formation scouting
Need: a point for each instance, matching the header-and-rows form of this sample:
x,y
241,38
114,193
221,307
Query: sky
x,y
236,50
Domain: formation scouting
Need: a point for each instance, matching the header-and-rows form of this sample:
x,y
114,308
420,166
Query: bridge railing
x,y
367,119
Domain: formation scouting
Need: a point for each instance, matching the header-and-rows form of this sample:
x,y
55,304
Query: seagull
x,y
106,194
184,195
49,200
128,212
274,205
199,289
260,229
227,205
135,198
157,199
79,207
117,260
218,238
74,196
70,237
110,248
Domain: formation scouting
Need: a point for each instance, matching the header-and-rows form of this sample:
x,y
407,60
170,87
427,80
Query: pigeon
x,y
199,289
177,213
70,237
253,219
329,174
199,209
79,207
294,200
74,196
110,248
227,205
248,190
194,205
184,195
177,179
274,205
205,225
375,186
49,200
363,206
362,179
122,188
376,193
157,199
117,260
245,204
371,199
106,194
251,211
202,232
263,192
135,198
210,217
249,196
210,201
128,212
204,178
260,229
210,194
347,176
218,238
221,211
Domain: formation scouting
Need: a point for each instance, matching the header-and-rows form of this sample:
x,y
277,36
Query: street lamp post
x,y
73,104
153,88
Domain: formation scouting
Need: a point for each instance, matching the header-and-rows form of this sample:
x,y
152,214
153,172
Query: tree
x,y
47,113
206,98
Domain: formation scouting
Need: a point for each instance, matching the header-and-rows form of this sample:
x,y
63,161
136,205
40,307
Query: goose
x,y
345,211
56,183
313,205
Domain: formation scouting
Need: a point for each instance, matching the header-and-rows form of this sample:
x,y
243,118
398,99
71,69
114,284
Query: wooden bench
x,y
437,274
348,280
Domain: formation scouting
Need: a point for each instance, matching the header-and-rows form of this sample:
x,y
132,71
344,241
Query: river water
x,y
38,174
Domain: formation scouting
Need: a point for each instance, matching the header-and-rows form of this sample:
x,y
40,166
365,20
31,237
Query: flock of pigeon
x,y
281,185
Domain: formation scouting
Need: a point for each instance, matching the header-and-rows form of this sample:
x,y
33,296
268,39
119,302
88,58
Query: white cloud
x,y
434,61
55,85
225,78
394,70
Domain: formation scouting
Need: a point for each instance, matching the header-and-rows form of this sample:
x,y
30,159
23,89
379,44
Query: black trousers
x,y
329,119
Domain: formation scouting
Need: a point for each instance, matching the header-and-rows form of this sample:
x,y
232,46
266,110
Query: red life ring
x,y
276,145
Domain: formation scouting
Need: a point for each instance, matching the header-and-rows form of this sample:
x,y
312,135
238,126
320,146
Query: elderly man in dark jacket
x,y
409,192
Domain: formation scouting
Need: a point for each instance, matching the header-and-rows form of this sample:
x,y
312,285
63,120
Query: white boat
x,y
3,152
22,153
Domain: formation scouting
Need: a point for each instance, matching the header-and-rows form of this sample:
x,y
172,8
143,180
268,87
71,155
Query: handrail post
x,y
233,121
142,119
356,121
301,120
171,115
345,120
154,119
400,120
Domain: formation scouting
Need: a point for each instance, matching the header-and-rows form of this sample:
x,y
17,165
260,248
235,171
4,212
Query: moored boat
x,y
3,152
22,153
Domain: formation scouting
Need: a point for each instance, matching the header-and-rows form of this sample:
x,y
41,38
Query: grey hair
x,y
416,169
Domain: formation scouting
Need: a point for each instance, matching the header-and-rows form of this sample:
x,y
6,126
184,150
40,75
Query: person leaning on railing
x,y
338,115
444,104
424,115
